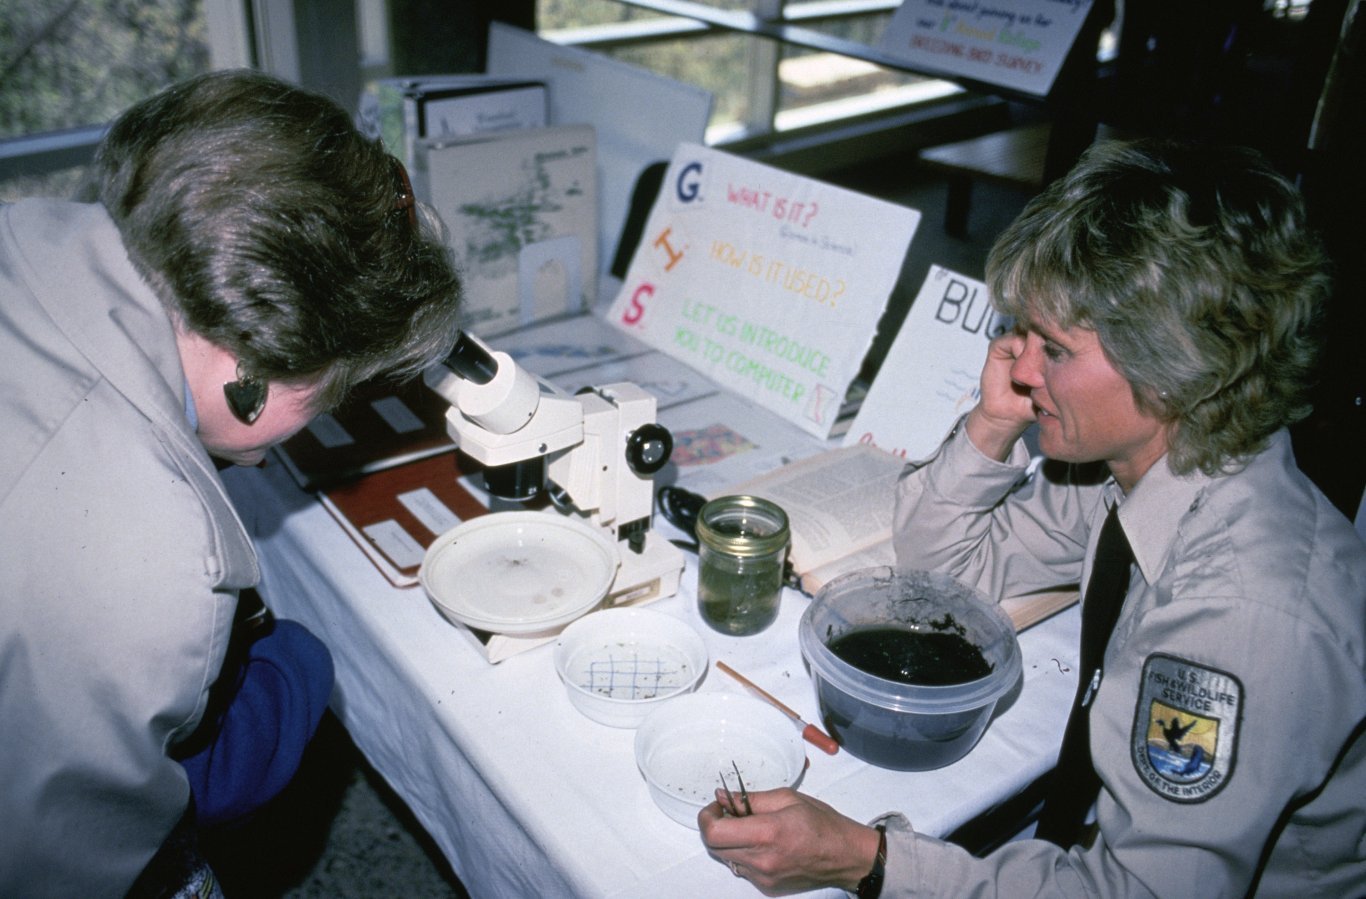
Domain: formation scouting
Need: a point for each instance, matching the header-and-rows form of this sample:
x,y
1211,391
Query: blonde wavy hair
x,y
1197,270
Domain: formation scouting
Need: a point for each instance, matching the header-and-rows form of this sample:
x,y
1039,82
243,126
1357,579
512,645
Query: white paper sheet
x,y
769,283
1020,44
932,372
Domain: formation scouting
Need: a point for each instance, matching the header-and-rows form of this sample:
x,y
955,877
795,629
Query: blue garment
x,y
271,710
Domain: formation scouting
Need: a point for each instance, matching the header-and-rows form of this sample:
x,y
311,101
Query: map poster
x,y
933,368
769,283
520,207
1015,44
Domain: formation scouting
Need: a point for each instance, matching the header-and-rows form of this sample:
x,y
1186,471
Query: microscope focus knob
x,y
648,448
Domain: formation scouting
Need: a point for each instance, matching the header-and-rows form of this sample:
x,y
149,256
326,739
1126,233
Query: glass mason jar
x,y
742,547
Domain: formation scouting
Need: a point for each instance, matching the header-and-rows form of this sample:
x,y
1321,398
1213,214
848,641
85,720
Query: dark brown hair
x,y
268,224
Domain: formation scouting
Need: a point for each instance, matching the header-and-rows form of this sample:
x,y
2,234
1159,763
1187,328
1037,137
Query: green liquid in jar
x,y
742,550
739,595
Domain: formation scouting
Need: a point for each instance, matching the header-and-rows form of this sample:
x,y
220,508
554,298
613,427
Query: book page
x,y
721,440
837,502
1029,609
878,555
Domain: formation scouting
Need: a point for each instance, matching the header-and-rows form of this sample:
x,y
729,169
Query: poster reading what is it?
x,y
769,283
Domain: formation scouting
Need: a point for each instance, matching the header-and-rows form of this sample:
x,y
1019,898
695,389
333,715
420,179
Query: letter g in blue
x,y
688,185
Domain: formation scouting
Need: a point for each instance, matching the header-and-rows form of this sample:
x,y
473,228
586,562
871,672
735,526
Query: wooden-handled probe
x,y
810,732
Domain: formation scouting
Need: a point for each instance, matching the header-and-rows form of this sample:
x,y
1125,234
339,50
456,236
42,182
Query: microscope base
x,y
651,574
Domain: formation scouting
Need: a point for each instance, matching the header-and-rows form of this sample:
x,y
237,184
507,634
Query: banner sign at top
x,y
1015,44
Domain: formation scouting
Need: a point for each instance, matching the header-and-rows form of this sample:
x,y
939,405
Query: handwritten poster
x,y
769,283
1016,44
932,372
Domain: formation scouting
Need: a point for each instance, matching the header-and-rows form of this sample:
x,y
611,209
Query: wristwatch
x,y
870,887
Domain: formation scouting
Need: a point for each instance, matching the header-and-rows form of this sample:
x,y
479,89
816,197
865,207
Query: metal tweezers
x,y
730,797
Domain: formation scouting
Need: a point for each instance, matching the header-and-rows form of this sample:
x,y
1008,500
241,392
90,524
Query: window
x,y
817,87
762,86
69,66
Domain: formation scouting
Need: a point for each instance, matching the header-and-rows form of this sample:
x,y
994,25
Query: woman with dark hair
x,y
1165,300
252,257
268,226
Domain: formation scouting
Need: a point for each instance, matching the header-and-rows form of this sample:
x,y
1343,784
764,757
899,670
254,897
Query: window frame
x,y
275,37
775,24
234,39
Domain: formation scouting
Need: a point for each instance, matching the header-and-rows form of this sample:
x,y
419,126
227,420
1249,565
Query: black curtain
x,y
1331,444
446,36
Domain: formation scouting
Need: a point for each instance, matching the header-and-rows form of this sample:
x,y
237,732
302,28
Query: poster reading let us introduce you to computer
x,y
769,283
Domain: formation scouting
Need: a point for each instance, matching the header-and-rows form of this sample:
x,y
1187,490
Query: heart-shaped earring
x,y
246,396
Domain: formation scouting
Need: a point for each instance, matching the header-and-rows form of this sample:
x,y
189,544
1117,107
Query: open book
x,y
840,506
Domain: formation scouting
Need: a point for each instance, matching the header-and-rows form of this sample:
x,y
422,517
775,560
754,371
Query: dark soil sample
x,y
923,658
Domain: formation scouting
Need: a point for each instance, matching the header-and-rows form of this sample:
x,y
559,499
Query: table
x,y
524,795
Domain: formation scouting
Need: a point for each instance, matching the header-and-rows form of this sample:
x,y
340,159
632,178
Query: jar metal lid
x,y
743,526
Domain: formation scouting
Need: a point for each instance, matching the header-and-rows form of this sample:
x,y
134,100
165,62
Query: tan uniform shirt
x,y
122,557
1227,730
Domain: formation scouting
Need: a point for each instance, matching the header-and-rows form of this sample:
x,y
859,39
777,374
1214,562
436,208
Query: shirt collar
x,y
1151,513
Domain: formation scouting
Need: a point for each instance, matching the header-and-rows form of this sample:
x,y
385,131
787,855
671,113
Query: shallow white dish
x,y
684,747
618,665
519,572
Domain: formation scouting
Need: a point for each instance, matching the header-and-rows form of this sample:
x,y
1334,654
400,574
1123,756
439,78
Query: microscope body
x,y
594,453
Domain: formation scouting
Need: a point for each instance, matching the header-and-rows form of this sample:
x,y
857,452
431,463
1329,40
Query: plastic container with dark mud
x,y
906,726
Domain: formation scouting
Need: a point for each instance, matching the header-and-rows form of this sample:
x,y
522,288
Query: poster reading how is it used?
x,y
769,283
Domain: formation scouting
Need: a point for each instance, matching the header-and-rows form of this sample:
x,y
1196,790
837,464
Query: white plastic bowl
x,y
683,748
893,723
520,572
618,665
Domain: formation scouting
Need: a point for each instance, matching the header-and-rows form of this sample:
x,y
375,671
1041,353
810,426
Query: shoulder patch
x,y
1185,734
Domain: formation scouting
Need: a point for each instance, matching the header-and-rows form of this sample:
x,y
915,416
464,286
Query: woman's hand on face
x,y
791,843
1005,409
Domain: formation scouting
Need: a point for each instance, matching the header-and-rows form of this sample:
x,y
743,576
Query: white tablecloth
x,y
527,797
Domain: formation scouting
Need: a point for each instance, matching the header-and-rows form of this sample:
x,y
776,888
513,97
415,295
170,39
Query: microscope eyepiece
x,y
471,361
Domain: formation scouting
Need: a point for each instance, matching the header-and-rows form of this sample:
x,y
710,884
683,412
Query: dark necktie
x,y
1074,784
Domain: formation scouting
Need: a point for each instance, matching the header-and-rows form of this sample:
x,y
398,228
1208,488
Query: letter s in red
x,y
635,310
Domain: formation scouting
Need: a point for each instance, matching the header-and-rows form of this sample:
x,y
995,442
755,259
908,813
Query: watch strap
x,y
870,887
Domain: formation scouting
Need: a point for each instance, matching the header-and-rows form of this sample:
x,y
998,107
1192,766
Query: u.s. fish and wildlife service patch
x,y
1185,733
